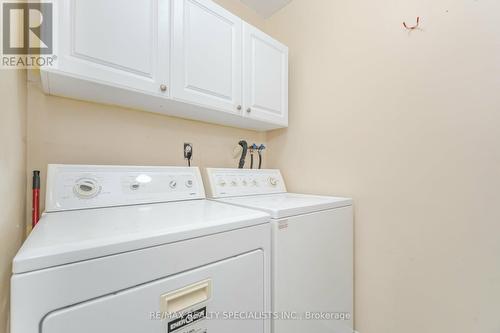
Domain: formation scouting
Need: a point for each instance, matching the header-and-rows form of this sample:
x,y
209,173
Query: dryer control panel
x,y
71,187
223,183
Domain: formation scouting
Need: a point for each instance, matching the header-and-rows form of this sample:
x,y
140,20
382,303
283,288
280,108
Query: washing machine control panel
x,y
224,183
72,187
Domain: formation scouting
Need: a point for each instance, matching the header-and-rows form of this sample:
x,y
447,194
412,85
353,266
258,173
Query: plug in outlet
x,y
188,152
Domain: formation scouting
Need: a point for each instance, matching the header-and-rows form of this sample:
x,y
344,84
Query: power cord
x,y
260,150
253,148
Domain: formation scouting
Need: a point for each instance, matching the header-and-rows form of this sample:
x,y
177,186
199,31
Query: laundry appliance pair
x,y
140,249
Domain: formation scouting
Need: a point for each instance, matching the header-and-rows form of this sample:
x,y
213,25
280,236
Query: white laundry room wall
x,y
407,124
13,180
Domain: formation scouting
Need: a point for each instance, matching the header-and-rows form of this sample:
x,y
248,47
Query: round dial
x,y
189,183
172,184
86,188
273,181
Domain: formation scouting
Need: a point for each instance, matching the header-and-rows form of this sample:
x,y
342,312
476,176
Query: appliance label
x,y
187,319
282,225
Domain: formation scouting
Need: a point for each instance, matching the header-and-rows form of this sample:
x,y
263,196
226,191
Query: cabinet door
x,y
265,77
123,43
207,55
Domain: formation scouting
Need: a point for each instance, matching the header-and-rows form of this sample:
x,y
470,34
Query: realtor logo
x,y
27,34
27,28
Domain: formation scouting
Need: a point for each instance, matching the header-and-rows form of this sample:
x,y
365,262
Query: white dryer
x,y
312,257
139,249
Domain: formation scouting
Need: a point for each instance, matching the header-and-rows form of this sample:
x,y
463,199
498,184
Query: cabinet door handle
x,y
238,107
249,110
163,87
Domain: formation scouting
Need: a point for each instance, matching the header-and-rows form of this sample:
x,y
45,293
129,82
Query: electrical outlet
x,y
188,151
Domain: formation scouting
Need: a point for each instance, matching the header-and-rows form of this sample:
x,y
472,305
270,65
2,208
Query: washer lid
x,y
72,236
283,205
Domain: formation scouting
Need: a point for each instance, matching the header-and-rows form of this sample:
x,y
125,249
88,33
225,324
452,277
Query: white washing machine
x,y
312,259
139,249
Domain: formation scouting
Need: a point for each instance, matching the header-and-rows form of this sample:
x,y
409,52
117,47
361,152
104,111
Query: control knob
x,y
86,188
273,181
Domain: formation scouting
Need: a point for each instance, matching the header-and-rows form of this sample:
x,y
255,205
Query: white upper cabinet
x,y
119,42
265,77
185,58
207,55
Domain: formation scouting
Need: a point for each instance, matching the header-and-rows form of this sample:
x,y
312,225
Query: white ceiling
x,y
266,8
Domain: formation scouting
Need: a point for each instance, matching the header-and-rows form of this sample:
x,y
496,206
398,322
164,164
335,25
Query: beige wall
x,y
12,169
68,131
407,124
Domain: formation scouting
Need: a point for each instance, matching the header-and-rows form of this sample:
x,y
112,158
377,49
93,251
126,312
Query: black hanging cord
x,y
253,148
243,145
260,150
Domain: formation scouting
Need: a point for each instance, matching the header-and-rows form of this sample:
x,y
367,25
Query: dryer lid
x,y
284,205
71,236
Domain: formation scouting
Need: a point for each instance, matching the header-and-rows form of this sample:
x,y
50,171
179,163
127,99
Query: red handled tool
x,y
36,198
